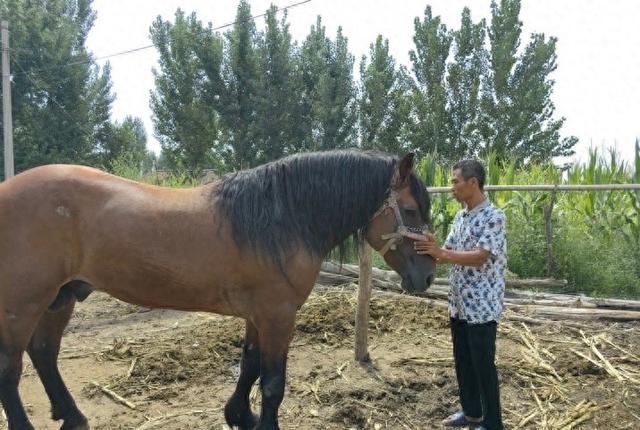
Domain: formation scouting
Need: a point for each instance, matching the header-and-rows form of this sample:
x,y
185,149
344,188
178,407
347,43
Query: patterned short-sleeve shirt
x,y
476,293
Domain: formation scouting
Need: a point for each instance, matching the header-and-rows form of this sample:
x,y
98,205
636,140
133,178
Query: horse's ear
x,y
404,168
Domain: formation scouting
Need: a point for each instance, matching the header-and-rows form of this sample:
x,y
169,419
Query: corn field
x,y
595,236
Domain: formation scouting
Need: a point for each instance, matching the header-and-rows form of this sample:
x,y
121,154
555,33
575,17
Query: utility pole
x,y
7,121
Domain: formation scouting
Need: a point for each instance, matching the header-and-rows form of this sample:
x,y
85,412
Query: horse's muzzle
x,y
416,283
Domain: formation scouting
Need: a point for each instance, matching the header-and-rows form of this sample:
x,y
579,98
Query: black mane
x,y
312,201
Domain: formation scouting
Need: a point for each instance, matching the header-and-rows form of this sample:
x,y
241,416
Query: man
x,y
476,246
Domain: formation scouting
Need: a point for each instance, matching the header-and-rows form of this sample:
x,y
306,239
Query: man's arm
x,y
474,258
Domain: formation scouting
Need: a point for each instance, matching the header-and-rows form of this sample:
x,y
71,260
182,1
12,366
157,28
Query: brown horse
x,y
249,245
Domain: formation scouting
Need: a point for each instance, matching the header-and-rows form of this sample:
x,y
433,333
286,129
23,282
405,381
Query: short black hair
x,y
471,169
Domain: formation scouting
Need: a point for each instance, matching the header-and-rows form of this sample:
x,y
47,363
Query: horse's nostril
x,y
429,280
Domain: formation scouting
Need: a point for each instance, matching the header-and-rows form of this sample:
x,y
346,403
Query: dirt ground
x,y
177,369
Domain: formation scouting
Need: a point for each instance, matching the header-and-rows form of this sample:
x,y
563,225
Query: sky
x,y
597,81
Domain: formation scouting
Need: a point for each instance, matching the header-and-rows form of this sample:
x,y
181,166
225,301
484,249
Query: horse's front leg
x,y
275,335
237,411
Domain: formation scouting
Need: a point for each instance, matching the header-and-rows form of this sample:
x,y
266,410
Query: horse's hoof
x,y
243,421
84,426
79,424
77,427
246,422
238,414
262,426
250,423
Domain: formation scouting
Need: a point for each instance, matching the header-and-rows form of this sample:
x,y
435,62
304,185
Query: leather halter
x,y
402,231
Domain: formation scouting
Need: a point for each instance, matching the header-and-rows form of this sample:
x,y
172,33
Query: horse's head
x,y
403,216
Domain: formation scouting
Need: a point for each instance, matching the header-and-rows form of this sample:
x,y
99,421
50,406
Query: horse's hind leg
x,y
10,371
43,350
237,411
16,328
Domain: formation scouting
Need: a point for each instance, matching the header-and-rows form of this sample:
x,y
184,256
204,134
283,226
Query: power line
x,y
142,48
72,120
84,133
27,51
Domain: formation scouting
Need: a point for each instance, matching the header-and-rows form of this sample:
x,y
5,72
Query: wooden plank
x,y
590,314
521,283
391,276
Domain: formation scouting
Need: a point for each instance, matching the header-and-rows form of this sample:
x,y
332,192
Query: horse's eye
x,y
411,212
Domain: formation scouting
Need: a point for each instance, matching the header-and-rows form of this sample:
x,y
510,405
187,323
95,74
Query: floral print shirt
x,y
476,293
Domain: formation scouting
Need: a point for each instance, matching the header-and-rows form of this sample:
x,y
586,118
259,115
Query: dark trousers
x,y
474,352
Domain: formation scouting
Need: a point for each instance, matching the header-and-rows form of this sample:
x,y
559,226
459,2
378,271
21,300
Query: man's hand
x,y
429,246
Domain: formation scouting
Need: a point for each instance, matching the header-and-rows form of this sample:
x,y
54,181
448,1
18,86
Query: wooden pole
x,y
364,296
548,233
7,121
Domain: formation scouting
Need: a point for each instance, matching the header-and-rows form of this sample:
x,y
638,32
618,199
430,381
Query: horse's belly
x,y
182,282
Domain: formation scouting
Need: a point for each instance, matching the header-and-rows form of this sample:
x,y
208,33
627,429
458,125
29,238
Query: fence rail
x,y
547,187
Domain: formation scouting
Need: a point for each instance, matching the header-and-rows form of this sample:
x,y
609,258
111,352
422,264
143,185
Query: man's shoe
x,y
458,419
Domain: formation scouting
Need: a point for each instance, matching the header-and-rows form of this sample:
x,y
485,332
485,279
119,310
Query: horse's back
x,y
36,196
68,190
37,188
60,180
65,212
54,199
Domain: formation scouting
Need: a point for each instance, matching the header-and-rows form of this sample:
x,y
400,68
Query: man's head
x,y
467,179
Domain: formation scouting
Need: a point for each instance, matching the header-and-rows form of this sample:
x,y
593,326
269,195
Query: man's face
x,y
462,189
